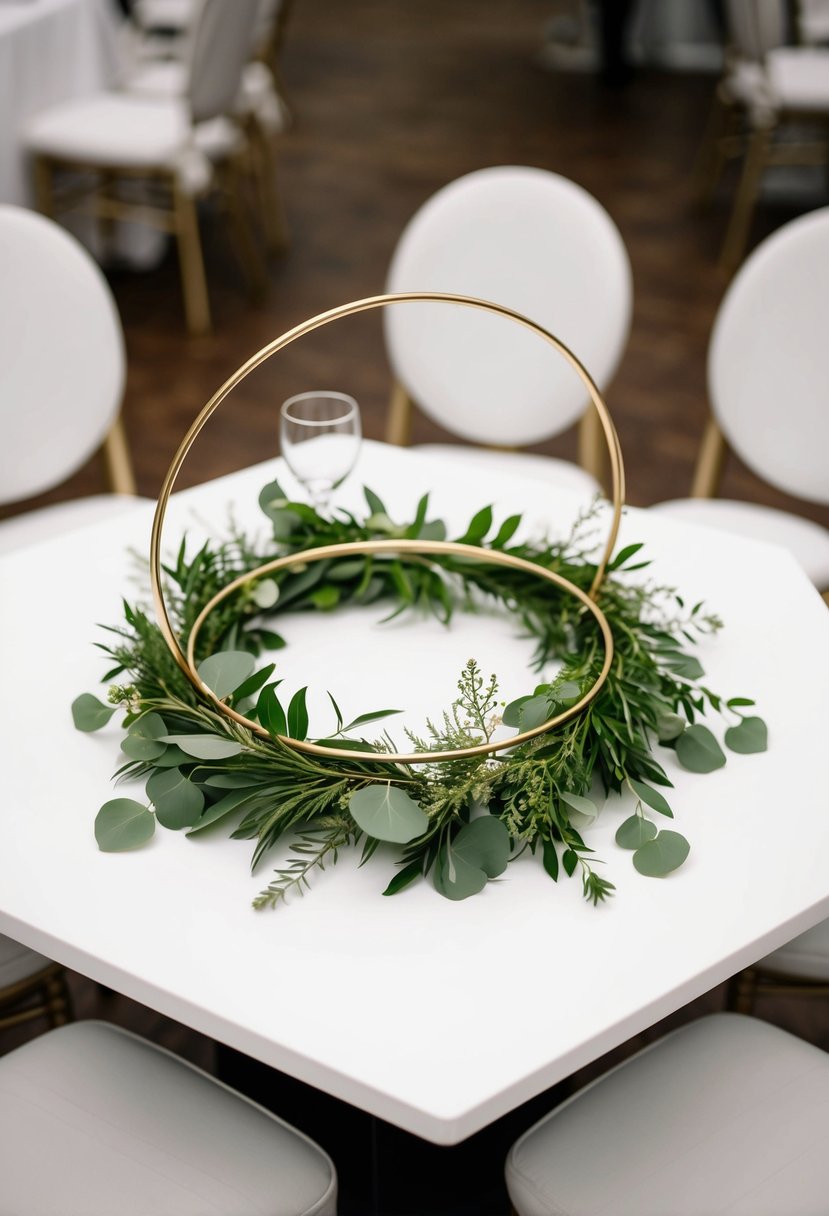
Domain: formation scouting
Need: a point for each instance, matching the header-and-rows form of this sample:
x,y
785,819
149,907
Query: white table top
x,y
437,1016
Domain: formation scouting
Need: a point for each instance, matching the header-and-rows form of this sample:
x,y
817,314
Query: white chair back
x,y
756,26
768,360
62,362
221,44
537,243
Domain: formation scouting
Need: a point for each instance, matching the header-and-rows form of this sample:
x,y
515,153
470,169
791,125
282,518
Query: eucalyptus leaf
x,y
749,736
652,798
90,714
217,810
485,843
265,594
635,832
583,810
171,757
687,667
698,750
224,672
454,877
205,747
177,801
388,813
146,738
660,856
123,824
527,712
669,726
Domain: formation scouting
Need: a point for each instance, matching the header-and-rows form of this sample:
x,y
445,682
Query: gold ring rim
x,y
415,547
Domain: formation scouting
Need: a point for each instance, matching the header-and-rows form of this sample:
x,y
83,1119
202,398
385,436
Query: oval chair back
x,y
768,359
533,241
61,353
221,44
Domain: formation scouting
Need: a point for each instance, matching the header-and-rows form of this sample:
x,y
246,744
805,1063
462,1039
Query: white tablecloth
x,y
50,51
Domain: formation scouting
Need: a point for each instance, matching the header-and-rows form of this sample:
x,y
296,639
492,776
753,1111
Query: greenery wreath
x,y
460,821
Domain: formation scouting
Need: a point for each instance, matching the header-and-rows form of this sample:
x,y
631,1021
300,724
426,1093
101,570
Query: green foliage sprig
x,y
460,822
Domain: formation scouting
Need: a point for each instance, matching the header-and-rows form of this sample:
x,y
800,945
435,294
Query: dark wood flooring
x,y
391,100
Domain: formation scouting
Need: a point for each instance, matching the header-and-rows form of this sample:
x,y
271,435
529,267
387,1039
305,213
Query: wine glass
x,y
320,436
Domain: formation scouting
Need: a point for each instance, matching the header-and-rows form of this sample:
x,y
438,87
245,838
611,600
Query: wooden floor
x,y
391,100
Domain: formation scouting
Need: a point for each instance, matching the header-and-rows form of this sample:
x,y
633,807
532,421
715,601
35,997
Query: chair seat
x,y
799,77
94,1120
48,522
728,1114
18,962
560,473
805,540
806,957
141,133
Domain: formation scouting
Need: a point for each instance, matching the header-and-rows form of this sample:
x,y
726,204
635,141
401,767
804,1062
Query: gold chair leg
x,y
737,234
191,261
58,1004
273,213
591,446
711,157
248,253
399,422
709,462
117,461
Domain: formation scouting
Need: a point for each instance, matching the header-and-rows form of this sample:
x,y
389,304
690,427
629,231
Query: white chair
x,y
768,91
768,385
176,148
542,245
726,1115
94,1120
260,104
62,370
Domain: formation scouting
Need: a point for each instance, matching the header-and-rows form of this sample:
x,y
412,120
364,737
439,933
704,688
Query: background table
x,y
50,51
436,1016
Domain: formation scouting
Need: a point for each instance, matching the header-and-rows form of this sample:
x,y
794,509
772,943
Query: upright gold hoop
x,y
186,661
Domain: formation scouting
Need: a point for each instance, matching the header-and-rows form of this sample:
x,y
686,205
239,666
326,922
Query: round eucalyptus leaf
x,y
225,671
178,802
483,843
698,750
386,812
123,824
658,857
635,832
145,740
527,712
173,757
454,877
266,593
205,747
749,736
88,713
669,726
652,798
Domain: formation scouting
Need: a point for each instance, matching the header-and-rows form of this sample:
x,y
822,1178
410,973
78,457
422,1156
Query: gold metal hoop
x,y
187,661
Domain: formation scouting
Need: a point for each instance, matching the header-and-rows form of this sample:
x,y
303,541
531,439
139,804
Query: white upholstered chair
x,y
260,104
770,93
726,1115
62,370
176,147
540,244
94,1120
768,384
